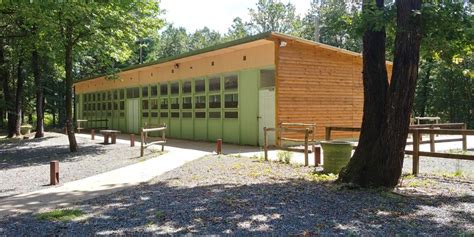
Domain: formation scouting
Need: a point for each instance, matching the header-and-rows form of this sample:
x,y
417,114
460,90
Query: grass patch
x,y
318,177
63,215
160,215
284,156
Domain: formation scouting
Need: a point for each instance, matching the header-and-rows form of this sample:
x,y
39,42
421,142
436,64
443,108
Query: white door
x,y
133,115
266,114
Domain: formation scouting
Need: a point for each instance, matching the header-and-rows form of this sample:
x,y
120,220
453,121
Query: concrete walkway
x,y
105,183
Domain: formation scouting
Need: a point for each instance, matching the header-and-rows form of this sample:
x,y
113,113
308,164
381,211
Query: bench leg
x,y
114,139
106,139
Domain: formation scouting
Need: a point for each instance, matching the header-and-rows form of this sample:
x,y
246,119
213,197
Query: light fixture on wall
x,y
283,44
176,66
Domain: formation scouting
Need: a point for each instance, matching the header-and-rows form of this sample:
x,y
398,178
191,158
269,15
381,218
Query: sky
x,y
215,14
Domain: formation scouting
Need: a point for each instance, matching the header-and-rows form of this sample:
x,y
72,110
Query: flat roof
x,y
262,36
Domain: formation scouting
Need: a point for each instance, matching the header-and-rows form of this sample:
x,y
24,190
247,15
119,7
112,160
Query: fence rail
x,y
417,132
144,136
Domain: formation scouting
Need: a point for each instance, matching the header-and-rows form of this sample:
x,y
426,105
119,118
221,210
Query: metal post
x,y
54,172
219,146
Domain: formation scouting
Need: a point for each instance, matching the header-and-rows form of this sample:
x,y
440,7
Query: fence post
x,y
132,140
416,150
142,136
265,145
432,139
317,156
306,136
464,139
328,133
92,134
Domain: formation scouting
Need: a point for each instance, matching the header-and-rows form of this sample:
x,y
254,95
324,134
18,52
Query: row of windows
x,y
230,83
230,101
104,106
211,114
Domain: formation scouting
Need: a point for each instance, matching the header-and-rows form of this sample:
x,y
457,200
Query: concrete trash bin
x,y
336,155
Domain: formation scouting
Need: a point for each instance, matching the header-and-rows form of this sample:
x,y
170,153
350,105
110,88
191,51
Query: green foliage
x,y
319,177
284,156
273,15
63,215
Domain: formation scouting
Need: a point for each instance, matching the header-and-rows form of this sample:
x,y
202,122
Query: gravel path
x,y
241,196
24,164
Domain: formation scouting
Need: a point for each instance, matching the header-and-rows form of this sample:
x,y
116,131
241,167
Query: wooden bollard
x,y
54,172
65,129
92,134
219,146
317,155
132,140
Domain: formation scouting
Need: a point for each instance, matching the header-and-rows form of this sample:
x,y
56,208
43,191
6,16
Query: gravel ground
x,y
24,164
242,196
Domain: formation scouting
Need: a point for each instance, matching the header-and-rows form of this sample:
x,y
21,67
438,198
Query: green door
x,y
133,115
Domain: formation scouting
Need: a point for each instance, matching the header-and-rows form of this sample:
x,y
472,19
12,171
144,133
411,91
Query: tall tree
x,y
237,30
273,15
378,159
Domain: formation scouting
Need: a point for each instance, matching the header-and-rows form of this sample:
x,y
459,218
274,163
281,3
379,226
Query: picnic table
x,y
110,133
419,119
79,121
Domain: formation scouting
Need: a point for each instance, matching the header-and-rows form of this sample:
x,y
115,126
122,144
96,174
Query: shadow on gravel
x,y
20,154
291,207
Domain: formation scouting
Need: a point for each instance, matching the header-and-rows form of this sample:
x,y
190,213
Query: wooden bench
x,y
110,133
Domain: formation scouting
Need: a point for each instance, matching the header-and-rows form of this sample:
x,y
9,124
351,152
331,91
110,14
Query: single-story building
x,y
232,90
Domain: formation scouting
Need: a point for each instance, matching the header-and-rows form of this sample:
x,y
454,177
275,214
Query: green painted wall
x,y
235,125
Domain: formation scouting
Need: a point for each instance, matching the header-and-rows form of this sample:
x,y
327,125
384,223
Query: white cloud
x,y
215,14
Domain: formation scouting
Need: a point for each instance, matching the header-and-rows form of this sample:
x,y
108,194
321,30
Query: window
x,y
231,101
98,97
109,106
175,88
145,91
214,101
116,107
231,82
214,114
200,102
144,104
122,114
174,103
199,85
187,114
122,105
164,104
200,114
116,95
214,84
154,91
267,78
164,114
154,114
145,114
231,115
104,106
154,104
109,95
133,93
175,115
187,103
187,87
164,89
122,94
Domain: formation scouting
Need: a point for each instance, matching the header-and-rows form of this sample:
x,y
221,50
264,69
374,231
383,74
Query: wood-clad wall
x,y
317,85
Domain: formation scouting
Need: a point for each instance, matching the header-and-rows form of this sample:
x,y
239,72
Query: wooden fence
x,y
432,129
299,128
144,136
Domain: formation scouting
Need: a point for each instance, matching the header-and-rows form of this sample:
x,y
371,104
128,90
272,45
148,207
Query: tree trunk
x,y
39,94
3,79
5,74
19,97
69,82
382,162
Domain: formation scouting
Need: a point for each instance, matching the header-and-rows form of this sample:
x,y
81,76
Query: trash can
x,y
336,155
25,129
